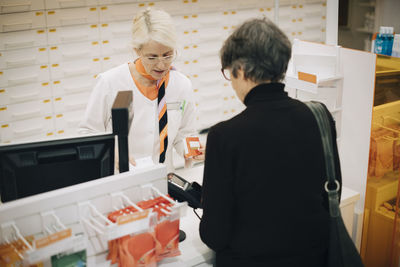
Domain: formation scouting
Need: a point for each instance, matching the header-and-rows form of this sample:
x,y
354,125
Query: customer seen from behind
x,y
263,198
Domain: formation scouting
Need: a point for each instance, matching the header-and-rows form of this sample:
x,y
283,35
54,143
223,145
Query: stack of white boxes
x,y
52,50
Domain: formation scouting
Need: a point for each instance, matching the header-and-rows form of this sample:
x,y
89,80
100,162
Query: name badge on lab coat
x,y
173,105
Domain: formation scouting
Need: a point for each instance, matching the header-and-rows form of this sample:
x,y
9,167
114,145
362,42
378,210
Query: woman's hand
x,y
202,156
116,159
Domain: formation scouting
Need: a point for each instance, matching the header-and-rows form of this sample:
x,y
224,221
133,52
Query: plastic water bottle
x,y
384,41
396,46
389,41
379,41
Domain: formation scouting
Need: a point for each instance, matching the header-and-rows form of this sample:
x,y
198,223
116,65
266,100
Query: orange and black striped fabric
x,y
162,122
162,105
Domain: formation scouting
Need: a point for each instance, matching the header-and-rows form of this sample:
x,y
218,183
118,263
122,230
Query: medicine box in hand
x,y
192,145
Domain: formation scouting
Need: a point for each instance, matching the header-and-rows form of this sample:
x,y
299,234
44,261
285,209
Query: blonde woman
x,y
163,107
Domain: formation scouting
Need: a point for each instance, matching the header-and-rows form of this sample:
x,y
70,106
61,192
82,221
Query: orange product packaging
x,y
167,237
113,249
192,145
147,248
138,250
10,254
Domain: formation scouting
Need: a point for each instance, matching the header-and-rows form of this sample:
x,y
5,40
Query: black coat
x,y
263,195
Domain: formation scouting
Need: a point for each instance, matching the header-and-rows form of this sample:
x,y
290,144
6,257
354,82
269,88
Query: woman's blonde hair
x,y
153,24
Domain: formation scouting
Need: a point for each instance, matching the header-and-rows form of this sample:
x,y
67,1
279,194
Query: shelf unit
x,y
80,214
343,79
317,76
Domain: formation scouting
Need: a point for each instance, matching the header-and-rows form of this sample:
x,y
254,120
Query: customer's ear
x,y
240,74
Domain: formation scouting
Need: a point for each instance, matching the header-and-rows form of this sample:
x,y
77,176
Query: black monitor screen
x,y
33,168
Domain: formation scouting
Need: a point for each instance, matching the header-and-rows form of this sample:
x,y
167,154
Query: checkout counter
x,y
80,208
348,201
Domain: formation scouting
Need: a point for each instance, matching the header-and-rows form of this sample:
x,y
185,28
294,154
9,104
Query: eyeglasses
x,y
226,73
164,59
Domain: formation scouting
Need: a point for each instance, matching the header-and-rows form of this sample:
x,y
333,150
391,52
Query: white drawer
x,y
290,26
68,34
231,18
286,13
183,23
73,85
31,129
252,3
183,39
187,53
24,75
211,81
208,50
233,107
116,46
23,57
203,6
313,23
74,51
72,16
209,95
228,95
201,66
208,86
118,12
173,7
328,96
11,6
52,4
316,35
26,92
25,110
117,29
71,102
246,14
314,9
227,31
23,39
300,10
206,35
269,12
287,2
182,67
207,79
208,115
209,20
67,123
110,2
112,61
75,68
22,21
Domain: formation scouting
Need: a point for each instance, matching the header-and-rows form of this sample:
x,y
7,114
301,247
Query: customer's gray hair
x,y
260,49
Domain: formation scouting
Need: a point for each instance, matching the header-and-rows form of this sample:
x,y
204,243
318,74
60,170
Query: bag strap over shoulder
x,y
322,118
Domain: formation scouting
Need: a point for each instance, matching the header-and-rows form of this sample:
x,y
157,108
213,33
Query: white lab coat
x,y
143,137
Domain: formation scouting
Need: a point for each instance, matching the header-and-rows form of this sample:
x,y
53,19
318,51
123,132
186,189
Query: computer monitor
x,y
32,168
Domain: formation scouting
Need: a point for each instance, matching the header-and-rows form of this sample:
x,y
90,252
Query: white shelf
x,y
365,30
370,4
294,82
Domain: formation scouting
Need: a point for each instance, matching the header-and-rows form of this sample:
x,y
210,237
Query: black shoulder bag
x,y
341,249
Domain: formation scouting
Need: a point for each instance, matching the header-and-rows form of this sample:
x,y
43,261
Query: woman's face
x,y
156,58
